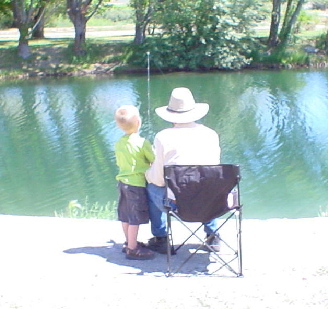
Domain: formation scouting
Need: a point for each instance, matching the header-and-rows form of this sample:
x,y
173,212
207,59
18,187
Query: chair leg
x,y
240,264
225,263
169,243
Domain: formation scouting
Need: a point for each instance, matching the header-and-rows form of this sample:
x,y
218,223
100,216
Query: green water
x,y
57,137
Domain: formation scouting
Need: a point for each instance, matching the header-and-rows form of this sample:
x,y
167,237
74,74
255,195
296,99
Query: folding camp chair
x,y
201,194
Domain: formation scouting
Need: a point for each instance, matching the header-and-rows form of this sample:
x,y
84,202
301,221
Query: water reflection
x,y
57,137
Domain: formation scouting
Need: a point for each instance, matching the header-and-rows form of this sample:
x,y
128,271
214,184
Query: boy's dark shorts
x,y
132,204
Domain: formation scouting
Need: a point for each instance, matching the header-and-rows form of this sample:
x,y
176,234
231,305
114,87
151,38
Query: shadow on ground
x,y
112,253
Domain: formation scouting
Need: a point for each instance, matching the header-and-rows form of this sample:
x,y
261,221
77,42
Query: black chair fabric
x,y
201,194
201,191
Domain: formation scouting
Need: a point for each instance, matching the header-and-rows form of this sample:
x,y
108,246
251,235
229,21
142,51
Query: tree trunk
x,y
23,48
143,13
140,34
275,21
39,21
21,22
291,15
80,25
24,15
77,12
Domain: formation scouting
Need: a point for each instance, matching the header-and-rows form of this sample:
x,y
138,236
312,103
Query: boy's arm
x,y
149,152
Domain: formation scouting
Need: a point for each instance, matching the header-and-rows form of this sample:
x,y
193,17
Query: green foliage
x,y
89,211
60,20
321,41
298,57
116,14
192,54
305,21
8,54
283,57
6,21
5,6
56,15
96,52
90,55
5,14
323,211
200,34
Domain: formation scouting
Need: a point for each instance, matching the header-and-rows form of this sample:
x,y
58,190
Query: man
x,y
186,143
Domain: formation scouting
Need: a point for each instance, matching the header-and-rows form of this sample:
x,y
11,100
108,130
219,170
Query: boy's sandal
x,y
139,244
140,253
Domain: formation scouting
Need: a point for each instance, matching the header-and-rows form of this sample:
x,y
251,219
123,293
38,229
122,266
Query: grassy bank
x,y
106,50
55,57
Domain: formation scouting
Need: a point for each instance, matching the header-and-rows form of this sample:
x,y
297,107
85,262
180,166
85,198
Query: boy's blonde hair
x,y
127,118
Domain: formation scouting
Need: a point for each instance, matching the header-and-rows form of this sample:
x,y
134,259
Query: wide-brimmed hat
x,y
182,107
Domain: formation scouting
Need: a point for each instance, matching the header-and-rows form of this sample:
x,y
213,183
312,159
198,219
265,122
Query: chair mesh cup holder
x,y
203,193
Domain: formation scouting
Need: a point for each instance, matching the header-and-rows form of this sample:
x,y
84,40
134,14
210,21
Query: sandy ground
x,y
55,263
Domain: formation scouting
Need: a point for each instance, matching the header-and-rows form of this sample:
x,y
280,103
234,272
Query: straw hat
x,y
182,107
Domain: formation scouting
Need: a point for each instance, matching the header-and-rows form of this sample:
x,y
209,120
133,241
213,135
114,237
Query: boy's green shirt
x,y
134,154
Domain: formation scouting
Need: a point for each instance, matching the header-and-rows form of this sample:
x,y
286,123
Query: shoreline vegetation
x,y
107,47
87,210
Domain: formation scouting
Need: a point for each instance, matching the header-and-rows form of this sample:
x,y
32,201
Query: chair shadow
x,y
112,253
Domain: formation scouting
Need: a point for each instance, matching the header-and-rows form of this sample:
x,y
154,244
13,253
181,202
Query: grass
x,y
54,56
88,211
323,211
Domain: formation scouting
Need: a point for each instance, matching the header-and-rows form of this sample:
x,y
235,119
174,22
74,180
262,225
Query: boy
x,y
134,155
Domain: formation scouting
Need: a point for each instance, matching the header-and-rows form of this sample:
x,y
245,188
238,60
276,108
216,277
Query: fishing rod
x,y
148,93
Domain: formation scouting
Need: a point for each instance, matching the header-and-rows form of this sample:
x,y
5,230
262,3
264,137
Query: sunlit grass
x,y
323,211
85,210
56,56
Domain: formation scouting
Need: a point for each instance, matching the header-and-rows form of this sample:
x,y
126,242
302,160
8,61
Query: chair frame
x,y
236,252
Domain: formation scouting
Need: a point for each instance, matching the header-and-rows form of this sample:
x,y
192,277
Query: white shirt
x,y
183,144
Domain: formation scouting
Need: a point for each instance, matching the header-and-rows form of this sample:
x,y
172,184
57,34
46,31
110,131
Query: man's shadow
x,y
112,253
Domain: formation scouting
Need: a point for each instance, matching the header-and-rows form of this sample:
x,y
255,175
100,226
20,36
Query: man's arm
x,y
155,174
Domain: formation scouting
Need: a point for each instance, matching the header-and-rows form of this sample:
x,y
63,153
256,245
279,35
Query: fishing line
x,y
150,127
148,83
148,93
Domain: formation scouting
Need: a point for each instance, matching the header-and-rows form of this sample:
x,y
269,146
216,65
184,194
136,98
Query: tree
x,y
79,12
293,9
39,21
275,21
5,14
144,10
24,12
4,6
279,39
195,34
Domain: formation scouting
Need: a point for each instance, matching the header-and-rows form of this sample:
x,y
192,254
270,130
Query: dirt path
x,y
68,32
53,263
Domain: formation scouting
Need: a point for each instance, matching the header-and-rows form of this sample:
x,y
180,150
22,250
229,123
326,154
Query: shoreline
x,y
96,70
61,263
48,61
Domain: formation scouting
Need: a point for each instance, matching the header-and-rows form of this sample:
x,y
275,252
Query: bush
x,y
117,14
322,41
305,21
6,21
190,54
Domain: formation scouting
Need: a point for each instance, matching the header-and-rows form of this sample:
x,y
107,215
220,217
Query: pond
x,y
57,137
